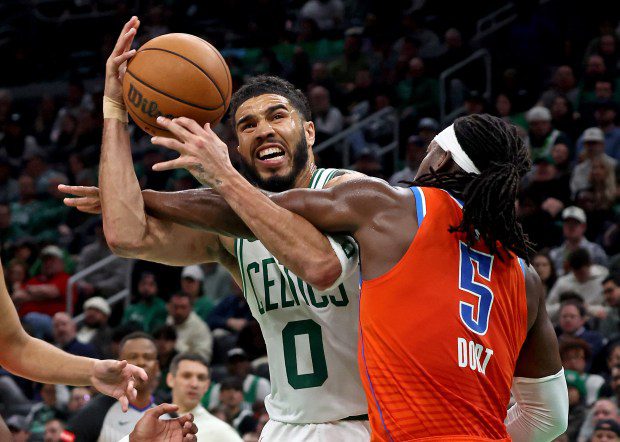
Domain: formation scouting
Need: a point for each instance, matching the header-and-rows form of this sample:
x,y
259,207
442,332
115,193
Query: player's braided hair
x,y
489,198
269,84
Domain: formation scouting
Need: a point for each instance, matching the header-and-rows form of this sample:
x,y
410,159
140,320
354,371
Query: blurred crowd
x,y
555,75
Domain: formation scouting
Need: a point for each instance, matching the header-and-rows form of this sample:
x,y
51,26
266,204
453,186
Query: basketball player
x,y
301,286
451,316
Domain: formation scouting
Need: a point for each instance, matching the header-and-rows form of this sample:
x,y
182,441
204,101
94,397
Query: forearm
x,y
124,219
44,291
39,361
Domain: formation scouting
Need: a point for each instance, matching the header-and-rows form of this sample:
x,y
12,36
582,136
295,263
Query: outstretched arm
x,y
39,361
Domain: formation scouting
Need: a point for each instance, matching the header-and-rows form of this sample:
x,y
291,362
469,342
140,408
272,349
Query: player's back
x,y
440,333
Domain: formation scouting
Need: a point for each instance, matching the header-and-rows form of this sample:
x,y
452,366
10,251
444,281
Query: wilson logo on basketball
x,y
147,107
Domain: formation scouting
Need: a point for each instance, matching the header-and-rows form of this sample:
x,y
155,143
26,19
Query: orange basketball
x,y
176,75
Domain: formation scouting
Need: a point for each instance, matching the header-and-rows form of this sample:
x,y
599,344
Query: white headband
x,y
448,142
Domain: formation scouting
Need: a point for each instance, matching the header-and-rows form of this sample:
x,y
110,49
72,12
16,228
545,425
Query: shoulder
x,y
342,176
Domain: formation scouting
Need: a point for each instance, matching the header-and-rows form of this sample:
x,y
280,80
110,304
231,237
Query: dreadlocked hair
x,y
488,198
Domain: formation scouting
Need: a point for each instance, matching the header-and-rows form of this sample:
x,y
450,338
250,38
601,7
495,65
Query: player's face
x,y
142,353
274,142
189,384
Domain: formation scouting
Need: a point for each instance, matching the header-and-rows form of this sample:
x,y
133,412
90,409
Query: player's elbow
x,y
124,247
323,274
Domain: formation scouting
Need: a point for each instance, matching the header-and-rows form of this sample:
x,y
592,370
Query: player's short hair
x,y
269,84
174,364
134,336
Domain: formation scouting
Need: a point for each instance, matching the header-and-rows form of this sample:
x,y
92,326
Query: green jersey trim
x,y
239,251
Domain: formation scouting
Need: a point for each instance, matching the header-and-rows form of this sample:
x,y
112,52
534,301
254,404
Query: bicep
x,y
539,355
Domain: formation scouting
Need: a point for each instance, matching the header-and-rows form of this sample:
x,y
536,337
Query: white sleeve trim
x,y
541,411
348,259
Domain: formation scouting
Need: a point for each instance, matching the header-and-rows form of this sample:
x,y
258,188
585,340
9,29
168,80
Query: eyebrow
x,y
270,110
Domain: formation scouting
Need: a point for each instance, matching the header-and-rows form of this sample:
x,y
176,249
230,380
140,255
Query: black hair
x,y
231,383
269,84
578,259
614,278
133,336
166,332
578,305
174,364
570,343
489,211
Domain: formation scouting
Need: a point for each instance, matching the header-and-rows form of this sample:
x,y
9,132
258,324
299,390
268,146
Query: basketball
x,y
176,75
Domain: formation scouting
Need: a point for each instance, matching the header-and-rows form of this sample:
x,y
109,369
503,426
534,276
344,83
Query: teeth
x,y
270,151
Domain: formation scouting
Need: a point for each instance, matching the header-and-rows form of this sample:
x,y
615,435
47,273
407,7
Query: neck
x,y
573,243
303,179
142,399
183,407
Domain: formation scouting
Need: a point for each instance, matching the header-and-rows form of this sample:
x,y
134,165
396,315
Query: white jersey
x,y
311,335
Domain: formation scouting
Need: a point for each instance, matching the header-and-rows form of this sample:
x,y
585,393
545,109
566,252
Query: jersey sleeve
x,y
347,251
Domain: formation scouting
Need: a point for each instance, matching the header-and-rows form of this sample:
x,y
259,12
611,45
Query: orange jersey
x,y
440,334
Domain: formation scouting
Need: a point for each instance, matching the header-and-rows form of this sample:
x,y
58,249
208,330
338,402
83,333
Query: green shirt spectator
x,y
150,311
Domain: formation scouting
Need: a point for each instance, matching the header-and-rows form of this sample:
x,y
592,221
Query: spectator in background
x,y
574,228
193,334
367,161
150,311
544,267
80,396
584,279
9,189
603,93
345,68
594,147
595,69
453,50
606,430
545,184
95,329
255,388
165,338
563,117
10,233
418,92
238,412
52,406
232,313
108,280
601,410
189,380
542,136
15,143
563,84
575,354
416,150
102,419
428,128
53,431
65,337
505,111
572,325
327,119
576,404
217,281
44,294
77,102
602,182
327,14
609,326
192,278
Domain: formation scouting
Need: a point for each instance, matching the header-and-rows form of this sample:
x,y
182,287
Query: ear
x,y
445,162
170,380
309,133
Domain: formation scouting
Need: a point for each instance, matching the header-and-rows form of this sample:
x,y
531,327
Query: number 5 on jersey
x,y
477,323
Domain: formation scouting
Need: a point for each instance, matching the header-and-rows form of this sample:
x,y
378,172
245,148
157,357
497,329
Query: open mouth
x,y
271,154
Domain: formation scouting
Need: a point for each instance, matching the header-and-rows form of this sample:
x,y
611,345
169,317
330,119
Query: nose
x,y
264,130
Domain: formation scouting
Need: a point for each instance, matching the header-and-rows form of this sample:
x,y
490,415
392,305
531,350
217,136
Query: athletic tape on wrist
x,y
114,109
